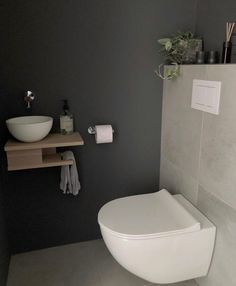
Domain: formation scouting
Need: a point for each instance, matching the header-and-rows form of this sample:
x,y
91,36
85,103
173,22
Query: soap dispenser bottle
x,y
66,120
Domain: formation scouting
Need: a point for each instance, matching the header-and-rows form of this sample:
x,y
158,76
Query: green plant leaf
x,y
169,72
168,45
163,41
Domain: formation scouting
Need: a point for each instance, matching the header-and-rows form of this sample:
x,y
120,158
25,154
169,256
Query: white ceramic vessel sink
x,y
29,128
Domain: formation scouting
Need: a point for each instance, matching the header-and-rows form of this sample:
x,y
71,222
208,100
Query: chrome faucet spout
x,y
29,97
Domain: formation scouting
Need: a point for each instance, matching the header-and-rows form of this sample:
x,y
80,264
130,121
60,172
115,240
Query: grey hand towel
x,y
70,183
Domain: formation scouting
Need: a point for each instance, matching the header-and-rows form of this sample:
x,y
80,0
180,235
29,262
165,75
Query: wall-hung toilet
x,y
158,237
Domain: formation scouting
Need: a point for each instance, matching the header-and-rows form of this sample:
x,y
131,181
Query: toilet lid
x,y
150,215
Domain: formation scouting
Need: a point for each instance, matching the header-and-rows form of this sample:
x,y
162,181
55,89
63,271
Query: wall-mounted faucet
x,y
29,97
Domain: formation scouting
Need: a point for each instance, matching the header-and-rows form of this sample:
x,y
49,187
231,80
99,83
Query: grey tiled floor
x,y
81,264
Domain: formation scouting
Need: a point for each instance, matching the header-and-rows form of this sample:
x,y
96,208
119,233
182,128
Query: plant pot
x,y
190,48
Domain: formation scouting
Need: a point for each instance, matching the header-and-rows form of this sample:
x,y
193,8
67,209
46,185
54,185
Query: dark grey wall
x,y
4,245
212,16
4,248
101,55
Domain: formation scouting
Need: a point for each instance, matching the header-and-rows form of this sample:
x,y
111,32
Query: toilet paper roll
x,y
104,134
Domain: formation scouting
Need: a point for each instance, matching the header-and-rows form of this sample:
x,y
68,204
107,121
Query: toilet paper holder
x,y
92,130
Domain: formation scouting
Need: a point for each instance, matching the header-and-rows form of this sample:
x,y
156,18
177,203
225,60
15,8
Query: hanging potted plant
x,y
179,49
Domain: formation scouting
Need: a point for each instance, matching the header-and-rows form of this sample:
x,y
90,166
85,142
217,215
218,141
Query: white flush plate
x,y
206,95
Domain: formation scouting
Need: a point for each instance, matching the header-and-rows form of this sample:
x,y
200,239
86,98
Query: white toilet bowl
x,y
158,237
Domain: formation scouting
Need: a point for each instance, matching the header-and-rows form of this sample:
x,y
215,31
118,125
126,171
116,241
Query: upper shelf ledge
x,y
53,140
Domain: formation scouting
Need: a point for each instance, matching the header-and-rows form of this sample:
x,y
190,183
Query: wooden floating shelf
x,y
53,140
41,154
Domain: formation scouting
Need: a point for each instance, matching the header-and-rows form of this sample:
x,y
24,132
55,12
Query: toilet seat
x,y
158,237
147,216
